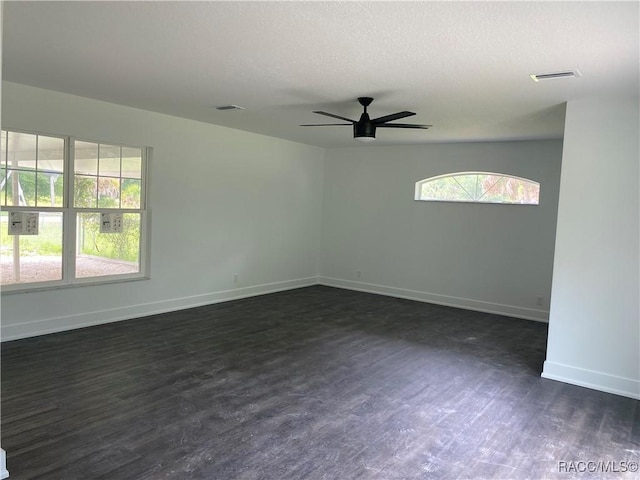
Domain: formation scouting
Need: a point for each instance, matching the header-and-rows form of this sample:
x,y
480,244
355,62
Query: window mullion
x,y
35,173
70,240
69,230
144,178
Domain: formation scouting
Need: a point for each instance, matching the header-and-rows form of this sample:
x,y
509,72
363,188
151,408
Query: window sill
x,y
15,289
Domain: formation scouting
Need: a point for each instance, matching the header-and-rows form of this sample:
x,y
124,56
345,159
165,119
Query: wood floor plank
x,y
315,383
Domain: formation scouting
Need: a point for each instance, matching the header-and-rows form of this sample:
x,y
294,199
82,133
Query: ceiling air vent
x,y
229,107
550,76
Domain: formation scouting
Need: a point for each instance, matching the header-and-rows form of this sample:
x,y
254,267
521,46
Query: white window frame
x,y
420,183
70,214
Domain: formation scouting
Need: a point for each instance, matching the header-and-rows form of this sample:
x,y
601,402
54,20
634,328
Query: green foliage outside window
x,y
47,242
43,196
121,246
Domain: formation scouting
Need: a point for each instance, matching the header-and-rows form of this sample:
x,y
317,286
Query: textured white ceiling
x,y
462,66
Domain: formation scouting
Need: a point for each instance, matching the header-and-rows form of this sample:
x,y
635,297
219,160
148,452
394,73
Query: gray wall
x,y
495,258
594,330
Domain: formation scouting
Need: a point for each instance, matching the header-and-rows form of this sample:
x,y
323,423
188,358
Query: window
x,y
72,211
478,187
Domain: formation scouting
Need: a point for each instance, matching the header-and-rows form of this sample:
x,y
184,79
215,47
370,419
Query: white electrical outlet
x,y
539,300
359,274
235,278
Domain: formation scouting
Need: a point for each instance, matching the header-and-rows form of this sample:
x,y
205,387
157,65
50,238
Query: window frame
x,y
69,220
420,183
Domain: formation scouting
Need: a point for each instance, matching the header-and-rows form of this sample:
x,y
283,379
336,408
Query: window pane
x,y
9,189
100,254
3,186
3,149
32,258
444,189
85,158
21,188
50,189
519,191
21,150
468,183
108,167
85,191
108,193
50,154
109,163
131,162
492,188
131,192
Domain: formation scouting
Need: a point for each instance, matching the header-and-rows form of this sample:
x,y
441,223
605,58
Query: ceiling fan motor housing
x,y
364,129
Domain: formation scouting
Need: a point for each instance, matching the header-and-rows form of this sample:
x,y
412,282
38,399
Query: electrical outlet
x,y
359,274
235,278
539,300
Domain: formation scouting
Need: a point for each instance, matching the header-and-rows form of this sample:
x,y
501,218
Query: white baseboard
x,y
59,324
627,387
465,303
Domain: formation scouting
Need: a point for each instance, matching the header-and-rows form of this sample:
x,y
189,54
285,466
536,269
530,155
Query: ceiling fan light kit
x,y
364,130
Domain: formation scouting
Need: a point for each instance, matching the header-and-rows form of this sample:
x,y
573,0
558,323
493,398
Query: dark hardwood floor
x,y
315,383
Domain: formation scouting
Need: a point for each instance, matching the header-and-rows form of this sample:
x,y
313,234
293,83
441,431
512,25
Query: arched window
x,y
478,187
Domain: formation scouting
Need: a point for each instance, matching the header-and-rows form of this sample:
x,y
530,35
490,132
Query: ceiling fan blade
x,y
402,125
335,116
393,116
324,124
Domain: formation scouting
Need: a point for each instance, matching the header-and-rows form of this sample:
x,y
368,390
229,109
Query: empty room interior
x,y
320,240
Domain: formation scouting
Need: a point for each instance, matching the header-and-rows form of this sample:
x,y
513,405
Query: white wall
x,y
252,204
495,258
594,332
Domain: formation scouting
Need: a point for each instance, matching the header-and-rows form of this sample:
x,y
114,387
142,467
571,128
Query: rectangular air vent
x,y
537,77
229,107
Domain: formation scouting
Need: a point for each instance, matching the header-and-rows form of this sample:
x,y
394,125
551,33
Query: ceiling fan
x,y
364,130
